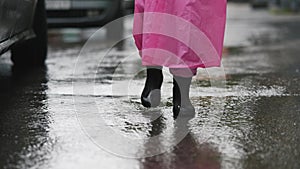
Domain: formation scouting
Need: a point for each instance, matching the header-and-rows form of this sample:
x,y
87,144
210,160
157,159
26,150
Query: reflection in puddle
x,y
25,120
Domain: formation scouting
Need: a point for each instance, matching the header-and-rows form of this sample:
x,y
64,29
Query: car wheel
x,y
115,29
33,52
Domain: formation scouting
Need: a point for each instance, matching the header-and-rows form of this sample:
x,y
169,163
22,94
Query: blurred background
x,y
288,5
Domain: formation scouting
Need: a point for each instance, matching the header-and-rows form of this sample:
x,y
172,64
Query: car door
x,y
7,18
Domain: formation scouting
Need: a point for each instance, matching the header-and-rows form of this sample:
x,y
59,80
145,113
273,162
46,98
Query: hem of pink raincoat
x,y
201,65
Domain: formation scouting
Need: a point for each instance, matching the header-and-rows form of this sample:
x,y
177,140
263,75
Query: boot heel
x,y
184,112
153,99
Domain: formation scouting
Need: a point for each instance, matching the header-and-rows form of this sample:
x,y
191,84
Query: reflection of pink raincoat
x,y
180,33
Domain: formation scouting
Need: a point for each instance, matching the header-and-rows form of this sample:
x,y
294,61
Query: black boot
x,y
182,105
151,94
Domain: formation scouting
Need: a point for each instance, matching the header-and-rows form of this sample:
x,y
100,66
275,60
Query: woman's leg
x,y
151,94
183,72
181,87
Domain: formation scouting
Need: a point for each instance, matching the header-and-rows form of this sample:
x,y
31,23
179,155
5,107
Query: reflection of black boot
x,y
181,102
151,93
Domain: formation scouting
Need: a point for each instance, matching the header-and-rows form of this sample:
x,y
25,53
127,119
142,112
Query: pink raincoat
x,y
180,33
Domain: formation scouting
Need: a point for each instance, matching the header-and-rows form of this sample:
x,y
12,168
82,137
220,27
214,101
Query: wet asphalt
x,y
49,116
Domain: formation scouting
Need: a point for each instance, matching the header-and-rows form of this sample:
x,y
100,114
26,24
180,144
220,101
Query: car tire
x,y
115,29
33,52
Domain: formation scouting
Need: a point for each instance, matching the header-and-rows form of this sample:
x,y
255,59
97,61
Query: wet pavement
x,y
49,117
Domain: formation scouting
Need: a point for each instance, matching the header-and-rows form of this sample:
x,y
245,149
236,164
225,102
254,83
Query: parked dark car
x,y
259,3
85,13
23,31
